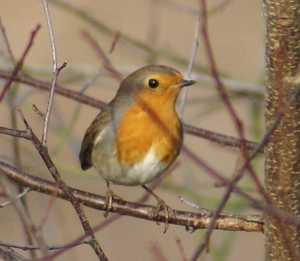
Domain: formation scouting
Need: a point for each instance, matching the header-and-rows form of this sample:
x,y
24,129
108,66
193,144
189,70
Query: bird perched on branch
x,y
138,135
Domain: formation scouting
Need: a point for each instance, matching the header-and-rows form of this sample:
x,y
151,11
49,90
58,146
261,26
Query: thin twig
x,y
181,249
20,63
20,195
156,251
189,70
114,43
8,253
11,55
55,73
105,59
36,247
37,111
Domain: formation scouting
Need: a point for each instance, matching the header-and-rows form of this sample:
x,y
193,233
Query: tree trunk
x,y
282,152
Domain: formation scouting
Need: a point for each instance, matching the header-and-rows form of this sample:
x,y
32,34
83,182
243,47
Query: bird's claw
x,y
161,205
110,195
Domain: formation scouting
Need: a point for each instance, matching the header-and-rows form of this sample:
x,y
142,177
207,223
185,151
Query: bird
x,y
138,135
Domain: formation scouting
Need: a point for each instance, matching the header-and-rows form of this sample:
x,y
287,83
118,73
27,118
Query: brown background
x,y
237,39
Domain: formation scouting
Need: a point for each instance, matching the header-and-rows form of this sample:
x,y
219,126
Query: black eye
x,y
153,83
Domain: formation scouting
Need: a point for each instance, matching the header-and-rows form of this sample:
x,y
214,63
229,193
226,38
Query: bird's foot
x,y
110,195
162,206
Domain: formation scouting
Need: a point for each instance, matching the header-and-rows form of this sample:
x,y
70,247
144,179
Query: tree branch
x,y
189,220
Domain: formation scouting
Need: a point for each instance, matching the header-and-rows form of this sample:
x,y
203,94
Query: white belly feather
x,y
145,170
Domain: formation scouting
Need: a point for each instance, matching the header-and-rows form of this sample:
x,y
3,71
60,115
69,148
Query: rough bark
x,y
282,164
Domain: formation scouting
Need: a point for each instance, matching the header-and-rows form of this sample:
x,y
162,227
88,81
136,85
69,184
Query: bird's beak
x,y
184,83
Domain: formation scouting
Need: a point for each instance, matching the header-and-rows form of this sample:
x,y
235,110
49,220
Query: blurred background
x,y
152,31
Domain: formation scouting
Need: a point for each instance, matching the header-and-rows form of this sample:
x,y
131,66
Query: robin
x,y
138,135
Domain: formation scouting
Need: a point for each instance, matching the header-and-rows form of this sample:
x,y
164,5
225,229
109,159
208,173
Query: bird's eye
x,y
153,83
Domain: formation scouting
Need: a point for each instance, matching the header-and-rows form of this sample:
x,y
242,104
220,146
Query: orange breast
x,y
145,125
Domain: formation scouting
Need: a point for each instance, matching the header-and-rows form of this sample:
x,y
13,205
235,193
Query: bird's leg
x,y
161,205
108,200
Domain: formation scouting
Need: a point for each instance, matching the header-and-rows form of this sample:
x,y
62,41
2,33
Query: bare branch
x,y
187,219
8,254
55,73
36,247
101,54
37,111
181,249
11,55
19,65
20,195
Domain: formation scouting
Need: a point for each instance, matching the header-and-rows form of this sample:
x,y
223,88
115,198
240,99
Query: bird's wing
x,y
92,136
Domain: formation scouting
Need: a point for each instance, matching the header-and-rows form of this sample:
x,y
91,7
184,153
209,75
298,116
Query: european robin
x,y
138,135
